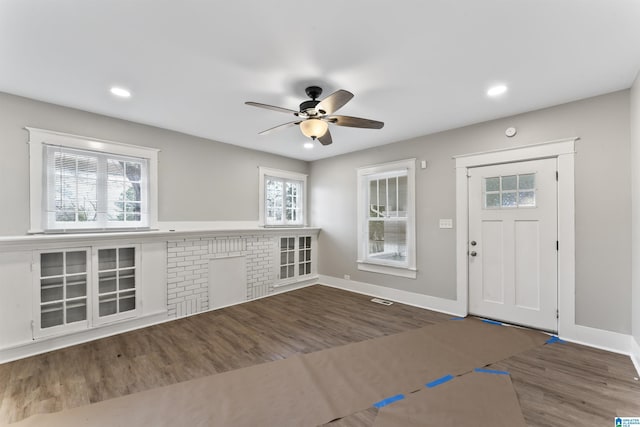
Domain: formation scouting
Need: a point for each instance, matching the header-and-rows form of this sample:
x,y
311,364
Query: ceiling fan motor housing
x,y
309,107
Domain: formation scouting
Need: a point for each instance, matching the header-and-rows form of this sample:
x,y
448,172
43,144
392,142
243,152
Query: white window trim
x,y
277,173
367,264
37,140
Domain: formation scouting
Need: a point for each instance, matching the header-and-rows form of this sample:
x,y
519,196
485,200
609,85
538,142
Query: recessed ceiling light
x,y
308,145
497,90
121,92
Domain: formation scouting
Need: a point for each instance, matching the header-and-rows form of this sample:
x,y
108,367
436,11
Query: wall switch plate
x,y
423,164
446,223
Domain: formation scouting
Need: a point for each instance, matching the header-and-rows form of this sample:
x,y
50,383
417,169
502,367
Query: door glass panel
x,y
509,182
127,301
76,262
51,315
106,259
107,282
492,200
77,286
76,310
527,181
527,198
108,305
492,184
51,264
509,200
127,257
51,289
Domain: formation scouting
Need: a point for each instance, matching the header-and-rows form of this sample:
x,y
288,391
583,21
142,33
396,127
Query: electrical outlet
x,y
347,277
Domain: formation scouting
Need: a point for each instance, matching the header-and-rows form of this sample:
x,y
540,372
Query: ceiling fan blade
x,y
326,138
272,107
282,126
333,102
355,122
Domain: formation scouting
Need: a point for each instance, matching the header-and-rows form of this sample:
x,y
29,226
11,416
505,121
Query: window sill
x,y
408,272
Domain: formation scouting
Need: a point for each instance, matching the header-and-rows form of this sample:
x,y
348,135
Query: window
x,y
282,198
80,183
386,218
295,257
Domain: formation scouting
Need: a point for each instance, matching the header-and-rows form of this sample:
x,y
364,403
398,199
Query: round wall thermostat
x,y
510,132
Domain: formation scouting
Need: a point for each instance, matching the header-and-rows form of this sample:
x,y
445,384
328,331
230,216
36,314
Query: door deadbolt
x,y
473,243
473,253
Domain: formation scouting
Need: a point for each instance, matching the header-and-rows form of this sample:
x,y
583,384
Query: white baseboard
x,y
44,345
428,302
591,337
635,354
597,338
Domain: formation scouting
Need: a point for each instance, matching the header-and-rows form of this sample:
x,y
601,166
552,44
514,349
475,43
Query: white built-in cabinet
x,y
80,288
294,258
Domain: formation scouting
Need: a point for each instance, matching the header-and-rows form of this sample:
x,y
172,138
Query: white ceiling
x,y
419,66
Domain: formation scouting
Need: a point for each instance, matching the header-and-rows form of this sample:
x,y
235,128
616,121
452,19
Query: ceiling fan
x,y
315,115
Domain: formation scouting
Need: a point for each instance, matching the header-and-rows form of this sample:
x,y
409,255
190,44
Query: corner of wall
x,y
634,123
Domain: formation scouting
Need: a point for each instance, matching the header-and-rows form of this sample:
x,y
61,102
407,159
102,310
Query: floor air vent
x,y
381,301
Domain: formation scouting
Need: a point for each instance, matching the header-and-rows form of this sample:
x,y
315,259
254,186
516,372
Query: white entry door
x,y
513,231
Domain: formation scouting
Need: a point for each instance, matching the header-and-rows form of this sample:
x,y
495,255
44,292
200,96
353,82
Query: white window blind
x,y
94,190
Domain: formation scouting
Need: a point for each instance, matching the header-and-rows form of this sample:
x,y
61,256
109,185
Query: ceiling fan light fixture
x,y
313,128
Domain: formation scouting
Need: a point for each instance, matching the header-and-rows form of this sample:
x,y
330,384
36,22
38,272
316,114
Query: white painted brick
x,y
177,259
185,263
192,258
185,293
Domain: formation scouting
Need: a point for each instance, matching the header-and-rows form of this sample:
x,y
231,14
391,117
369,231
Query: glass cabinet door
x,y
116,281
63,288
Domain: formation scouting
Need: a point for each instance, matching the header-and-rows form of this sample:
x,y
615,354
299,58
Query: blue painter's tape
x,y
457,318
388,400
439,381
493,322
555,339
491,371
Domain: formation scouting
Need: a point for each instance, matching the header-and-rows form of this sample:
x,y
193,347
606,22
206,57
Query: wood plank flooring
x,y
558,385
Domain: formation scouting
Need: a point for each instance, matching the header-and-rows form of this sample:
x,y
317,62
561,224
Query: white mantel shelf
x,y
12,243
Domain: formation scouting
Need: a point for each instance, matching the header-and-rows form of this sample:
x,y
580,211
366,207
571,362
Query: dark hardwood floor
x,y
558,384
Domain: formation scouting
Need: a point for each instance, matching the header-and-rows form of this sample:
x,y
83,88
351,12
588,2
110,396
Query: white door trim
x,y
564,151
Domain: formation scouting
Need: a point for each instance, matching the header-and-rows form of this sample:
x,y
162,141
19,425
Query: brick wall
x,y
188,268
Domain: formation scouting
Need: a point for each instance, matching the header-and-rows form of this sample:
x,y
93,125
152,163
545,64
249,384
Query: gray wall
x,y
603,206
199,179
635,197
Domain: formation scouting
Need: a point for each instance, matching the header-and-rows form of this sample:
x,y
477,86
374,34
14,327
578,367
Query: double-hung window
x,y
386,218
80,184
282,198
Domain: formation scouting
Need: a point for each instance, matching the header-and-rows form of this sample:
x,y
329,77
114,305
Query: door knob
x,y
473,243
473,253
